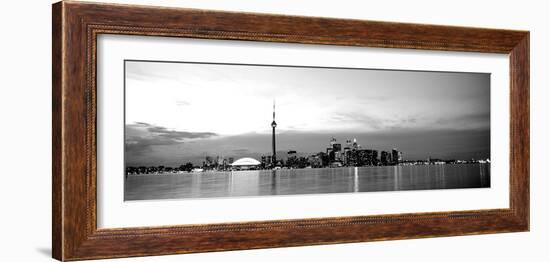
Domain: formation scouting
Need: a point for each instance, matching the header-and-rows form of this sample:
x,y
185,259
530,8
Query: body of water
x,y
306,181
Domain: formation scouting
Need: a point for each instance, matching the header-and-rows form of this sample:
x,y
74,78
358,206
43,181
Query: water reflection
x,y
306,181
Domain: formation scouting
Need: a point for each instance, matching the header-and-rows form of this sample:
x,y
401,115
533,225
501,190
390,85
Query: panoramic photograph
x,y
206,130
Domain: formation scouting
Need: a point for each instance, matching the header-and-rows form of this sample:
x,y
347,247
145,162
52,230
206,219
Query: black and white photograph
x,y
275,131
204,130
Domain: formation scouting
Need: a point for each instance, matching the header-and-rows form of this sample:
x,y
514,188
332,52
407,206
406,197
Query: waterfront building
x,y
385,158
245,163
360,157
335,151
400,157
337,148
350,157
346,154
396,156
315,161
374,157
325,159
208,162
220,162
291,160
330,154
266,161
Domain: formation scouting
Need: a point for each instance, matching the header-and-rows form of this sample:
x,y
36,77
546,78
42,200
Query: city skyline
x,y
182,112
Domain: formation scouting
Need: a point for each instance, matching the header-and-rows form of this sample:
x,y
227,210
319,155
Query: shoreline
x,y
213,172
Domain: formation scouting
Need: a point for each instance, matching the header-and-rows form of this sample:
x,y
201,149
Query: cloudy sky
x,y
182,112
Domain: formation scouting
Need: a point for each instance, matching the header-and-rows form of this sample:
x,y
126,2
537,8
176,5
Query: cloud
x,y
364,119
240,151
141,137
374,123
468,121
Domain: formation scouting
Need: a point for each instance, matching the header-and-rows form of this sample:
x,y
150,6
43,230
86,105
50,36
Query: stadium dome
x,y
246,161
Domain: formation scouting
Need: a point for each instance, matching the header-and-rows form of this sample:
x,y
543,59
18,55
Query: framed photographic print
x,y
182,130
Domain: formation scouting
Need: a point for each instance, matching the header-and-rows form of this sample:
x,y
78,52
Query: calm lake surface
x,y
306,181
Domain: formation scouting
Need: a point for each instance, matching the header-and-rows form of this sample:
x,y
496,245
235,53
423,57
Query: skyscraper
x,y
273,126
385,158
396,156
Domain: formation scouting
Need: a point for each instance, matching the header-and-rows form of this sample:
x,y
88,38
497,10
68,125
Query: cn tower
x,y
273,126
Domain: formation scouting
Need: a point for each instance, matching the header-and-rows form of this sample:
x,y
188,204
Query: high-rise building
x,y
335,151
325,159
362,157
346,154
400,157
351,158
385,158
337,147
396,156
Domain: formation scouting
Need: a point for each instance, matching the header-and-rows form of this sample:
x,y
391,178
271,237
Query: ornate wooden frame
x,y
76,26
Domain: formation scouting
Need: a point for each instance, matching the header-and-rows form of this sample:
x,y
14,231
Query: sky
x,y
178,112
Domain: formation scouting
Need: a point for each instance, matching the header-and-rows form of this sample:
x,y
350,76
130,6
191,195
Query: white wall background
x,y
25,147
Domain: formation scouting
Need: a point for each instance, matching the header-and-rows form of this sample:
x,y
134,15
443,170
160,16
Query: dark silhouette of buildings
x,y
385,158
